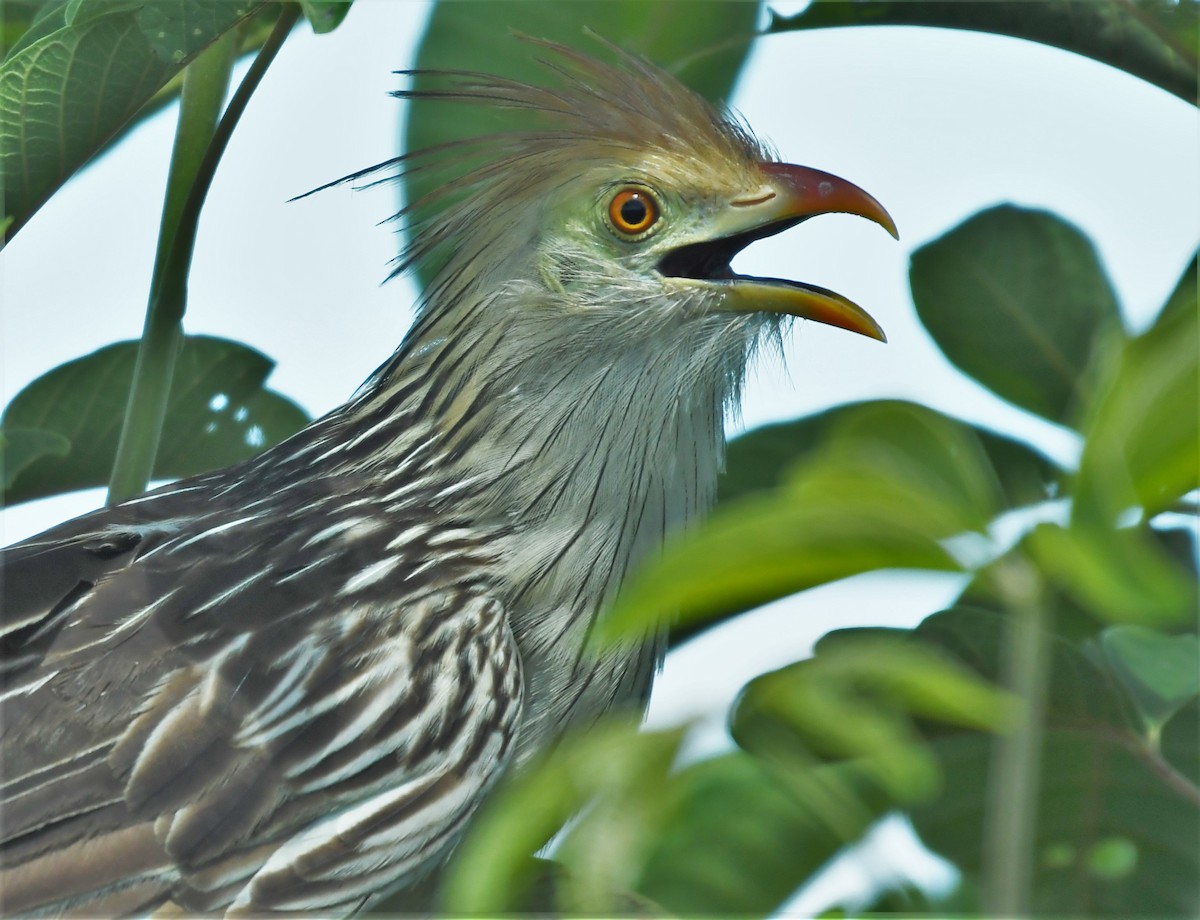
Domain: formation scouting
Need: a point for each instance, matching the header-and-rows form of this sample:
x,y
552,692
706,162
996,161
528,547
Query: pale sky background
x,y
936,124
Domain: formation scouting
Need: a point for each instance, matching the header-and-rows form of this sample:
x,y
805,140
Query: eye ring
x,y
633,211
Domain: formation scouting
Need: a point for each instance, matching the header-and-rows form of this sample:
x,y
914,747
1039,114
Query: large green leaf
x,y
1179,742
20,447
855,699
218,414
704,47
1018,300
759,460
728,836
1152,39
1123,575
882,492
1142,433
1118,828
743,834
1161,672
624,770
80,72
325,15
16,16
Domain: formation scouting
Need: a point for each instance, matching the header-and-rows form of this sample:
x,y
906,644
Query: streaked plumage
x,y
287,685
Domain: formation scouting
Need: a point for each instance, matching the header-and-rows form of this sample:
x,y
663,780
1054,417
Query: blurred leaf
x,y
22,446
1161,672
855,701
1093,791
923,680
1017,299
887,485
1186,296
218,414
1179,741
623,769
1142,433
909,900
743,835
325,15
791,715
929,456
704,51
1081,696
1117,575
80,72
763,549
15,19
1118,830
1155,40
758,460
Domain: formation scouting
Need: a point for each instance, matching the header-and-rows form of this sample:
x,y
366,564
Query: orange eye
x,y
633,211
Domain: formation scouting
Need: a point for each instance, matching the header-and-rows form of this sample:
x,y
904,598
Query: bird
x,y
288,685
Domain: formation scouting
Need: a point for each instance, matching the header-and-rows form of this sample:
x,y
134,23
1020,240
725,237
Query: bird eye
x,y
633,211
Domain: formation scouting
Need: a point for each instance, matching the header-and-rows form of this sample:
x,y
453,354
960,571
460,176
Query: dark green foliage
x,y
1156,40
1017,299
80,72
219,413
759,460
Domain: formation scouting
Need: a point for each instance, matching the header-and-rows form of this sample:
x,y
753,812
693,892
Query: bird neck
x,y
565,443
584,443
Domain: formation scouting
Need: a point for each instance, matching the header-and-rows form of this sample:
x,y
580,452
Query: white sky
x,y
936,124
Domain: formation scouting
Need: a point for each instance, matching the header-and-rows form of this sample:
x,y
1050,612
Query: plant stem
x,y
199,143
1014,777
205,82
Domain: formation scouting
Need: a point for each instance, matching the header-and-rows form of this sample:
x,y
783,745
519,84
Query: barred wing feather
x,y
252,747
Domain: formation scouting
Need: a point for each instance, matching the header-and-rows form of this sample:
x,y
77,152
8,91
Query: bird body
x,y
288,685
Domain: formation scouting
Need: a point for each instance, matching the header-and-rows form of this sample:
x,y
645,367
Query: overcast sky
x,y
936,124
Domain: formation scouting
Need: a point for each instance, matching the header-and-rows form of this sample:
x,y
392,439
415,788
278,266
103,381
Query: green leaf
x,y
218,414
1117,575
885,488
1017,299
1118,830
1081,695
623,769
67,88
16,16
762,549
758,460
325,15
704,51
1155,40
729,836
1179,741
1094,793
1142,434
1186,296
743,834
1161,672
19,447
855,700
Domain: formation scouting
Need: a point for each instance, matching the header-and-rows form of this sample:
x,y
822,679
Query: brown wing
x,y
183,723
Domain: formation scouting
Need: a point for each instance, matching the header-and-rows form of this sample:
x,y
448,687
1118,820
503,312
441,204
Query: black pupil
x,y
634,212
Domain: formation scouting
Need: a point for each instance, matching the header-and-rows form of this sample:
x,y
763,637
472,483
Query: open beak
x,y
789,194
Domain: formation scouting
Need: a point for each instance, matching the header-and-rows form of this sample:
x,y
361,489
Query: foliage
x,y
1069,663
219,413
1156,40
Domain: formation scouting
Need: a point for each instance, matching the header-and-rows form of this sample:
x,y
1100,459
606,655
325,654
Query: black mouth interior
x,y
709,260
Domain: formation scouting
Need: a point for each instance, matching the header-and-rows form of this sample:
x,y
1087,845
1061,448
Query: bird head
x,y
625,201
